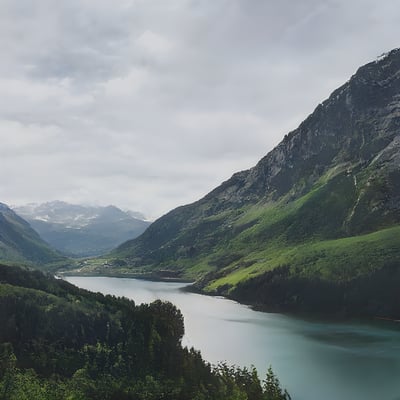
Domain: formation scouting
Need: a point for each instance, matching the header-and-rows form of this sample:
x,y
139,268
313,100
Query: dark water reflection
x,y
314,360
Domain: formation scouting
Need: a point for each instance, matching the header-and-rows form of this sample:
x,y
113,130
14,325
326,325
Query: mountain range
x,y
315,225
82,231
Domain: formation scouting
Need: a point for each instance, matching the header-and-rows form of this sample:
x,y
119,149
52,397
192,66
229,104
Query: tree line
x,y
61,342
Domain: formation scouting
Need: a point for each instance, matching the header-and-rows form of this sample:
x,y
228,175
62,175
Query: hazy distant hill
x,y
20,243
314,225
79,230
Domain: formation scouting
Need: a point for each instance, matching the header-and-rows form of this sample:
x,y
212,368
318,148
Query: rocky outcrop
x,y
358,121
337,175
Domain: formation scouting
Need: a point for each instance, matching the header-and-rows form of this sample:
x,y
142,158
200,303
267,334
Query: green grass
x,y
334,260
19,243
317,235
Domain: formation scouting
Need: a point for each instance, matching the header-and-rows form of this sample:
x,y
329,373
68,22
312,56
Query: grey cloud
x,y
148,104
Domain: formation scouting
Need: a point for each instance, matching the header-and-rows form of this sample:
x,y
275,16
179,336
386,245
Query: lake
x,y
314,360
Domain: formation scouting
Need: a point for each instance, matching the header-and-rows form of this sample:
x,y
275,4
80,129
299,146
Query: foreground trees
x,y
61,342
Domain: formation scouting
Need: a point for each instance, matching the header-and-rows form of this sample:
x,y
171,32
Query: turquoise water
x,y
314,360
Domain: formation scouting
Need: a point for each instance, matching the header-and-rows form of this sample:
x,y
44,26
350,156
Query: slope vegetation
x,y
19,243
322,207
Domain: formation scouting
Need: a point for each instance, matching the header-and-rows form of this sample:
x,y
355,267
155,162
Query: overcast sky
x,y
150,104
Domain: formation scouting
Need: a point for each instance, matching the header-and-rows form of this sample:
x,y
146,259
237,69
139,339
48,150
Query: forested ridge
x,y
61,342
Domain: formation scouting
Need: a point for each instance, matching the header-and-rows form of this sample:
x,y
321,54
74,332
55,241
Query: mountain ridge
x,y
333,178
81,231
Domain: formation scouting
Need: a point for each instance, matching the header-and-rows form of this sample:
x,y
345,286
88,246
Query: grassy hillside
x,y
323,206
315,238
19,243
335,234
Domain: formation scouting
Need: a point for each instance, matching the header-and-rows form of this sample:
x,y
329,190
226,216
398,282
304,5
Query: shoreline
x,y
191,288
144,277
303,315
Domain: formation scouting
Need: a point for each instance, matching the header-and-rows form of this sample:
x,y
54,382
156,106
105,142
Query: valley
x,y
82,231
200,200
319,214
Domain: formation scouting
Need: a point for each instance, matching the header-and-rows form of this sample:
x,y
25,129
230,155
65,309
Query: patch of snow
x,y
382,57
44,218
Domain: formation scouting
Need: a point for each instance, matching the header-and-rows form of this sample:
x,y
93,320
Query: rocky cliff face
x,y
355,124
356,129
323,205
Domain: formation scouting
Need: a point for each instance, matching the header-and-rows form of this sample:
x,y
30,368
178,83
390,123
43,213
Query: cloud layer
x,y
149,104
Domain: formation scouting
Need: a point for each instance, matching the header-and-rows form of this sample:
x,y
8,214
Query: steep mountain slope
x,y
20,243
78,230
324,205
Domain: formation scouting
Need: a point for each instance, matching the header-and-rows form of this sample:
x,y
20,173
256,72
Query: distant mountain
x,y
315,225
19,243
78,230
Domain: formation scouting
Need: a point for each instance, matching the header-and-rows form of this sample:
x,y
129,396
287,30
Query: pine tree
x,y
272,387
